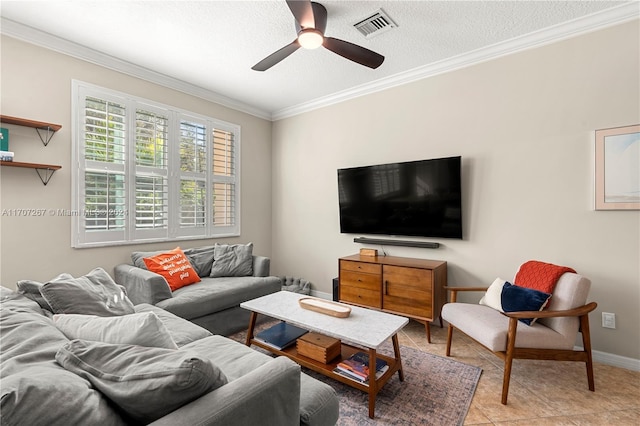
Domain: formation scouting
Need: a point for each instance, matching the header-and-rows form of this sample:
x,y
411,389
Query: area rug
x,y
435,391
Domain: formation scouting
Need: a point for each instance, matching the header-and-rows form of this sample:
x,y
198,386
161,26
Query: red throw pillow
x,y
174,267
540,276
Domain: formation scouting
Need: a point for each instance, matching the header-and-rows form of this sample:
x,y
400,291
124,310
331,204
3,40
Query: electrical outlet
x,y
608,320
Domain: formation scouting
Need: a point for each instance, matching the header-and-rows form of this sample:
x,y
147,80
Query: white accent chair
x,y
551,337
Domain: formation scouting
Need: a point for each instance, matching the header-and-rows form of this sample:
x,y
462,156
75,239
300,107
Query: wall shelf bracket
x,y
45,137
45,175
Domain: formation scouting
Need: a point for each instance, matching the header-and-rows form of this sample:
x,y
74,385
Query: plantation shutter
x,y
149,172
224,179
151,175
101,213
193,177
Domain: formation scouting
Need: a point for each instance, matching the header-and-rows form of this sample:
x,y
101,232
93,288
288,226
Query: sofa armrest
x,y
270,393
142,286
261,266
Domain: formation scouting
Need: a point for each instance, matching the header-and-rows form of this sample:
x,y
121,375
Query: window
x,y
150,172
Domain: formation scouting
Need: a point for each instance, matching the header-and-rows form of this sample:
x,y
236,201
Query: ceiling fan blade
x,y
276,56
353,52
303,12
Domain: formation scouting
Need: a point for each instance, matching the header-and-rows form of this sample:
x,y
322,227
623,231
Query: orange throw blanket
x,y
540,276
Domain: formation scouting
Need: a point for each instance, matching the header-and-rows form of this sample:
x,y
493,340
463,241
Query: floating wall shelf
x,y
40,126
45,171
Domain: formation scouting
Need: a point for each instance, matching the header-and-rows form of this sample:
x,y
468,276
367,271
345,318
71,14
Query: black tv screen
x,y
415,198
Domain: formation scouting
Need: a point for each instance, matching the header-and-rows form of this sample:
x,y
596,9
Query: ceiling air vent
x,y
375,24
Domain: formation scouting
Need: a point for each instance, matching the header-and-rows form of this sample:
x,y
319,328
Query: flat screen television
x,y
415,198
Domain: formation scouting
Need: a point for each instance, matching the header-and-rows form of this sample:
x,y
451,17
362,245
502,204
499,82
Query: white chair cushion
x,y
570,292
489,328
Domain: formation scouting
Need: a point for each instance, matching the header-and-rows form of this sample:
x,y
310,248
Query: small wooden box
x,y
318,347
368,252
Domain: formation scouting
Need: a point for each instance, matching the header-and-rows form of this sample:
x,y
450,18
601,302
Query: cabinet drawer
x,y
359,280
369,268
409,278
360,296
411,303
408,291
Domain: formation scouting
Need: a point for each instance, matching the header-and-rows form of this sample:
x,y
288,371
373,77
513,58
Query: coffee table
x,y
363,329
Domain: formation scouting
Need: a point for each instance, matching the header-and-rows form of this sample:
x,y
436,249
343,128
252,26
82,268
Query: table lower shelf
x,y
395,365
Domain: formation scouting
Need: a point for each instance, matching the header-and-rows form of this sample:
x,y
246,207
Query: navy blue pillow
x,y
515,298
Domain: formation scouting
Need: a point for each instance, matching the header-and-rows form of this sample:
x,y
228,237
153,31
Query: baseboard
x,y
322,295
614,360
602,357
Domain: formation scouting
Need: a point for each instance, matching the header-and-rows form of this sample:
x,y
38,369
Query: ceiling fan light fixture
x,y
310,38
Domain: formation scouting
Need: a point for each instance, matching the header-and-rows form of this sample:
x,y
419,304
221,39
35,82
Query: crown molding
x,y
597,21
39,38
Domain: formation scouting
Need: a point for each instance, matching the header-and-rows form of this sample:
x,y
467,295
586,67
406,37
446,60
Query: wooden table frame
x,y
395,363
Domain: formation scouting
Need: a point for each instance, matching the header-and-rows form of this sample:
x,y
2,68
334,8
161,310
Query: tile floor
x,y
541,392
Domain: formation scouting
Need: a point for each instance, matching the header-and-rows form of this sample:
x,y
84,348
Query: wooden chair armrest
x,y
576,312
454,291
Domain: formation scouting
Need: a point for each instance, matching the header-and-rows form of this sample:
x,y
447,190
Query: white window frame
x,y
82,238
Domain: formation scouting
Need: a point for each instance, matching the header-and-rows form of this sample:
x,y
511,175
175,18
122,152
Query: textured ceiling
x,y
213,44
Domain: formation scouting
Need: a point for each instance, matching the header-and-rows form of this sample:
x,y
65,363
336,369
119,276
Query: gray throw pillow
x,y
93,294
31,289
201,258
137,257
232,260
146,383
143,329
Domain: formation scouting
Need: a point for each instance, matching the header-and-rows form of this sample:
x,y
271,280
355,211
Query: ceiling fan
x,y
311,21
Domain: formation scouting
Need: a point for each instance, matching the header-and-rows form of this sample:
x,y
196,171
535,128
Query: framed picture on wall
x,y
617,168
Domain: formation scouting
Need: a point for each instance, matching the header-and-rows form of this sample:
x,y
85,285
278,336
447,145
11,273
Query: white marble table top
x,y
364,327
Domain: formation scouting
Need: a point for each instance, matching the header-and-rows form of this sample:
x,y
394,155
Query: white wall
x,y
36,84
524,127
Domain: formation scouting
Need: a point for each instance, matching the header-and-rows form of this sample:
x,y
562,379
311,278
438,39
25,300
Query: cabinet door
x,y
360,288
408,291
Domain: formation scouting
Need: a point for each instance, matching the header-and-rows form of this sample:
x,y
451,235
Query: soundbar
x,y
404,243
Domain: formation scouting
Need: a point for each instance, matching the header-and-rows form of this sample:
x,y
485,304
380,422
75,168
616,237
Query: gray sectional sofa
x,y
214,302
51,378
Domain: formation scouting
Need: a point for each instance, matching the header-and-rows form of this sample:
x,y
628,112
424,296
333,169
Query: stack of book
x,y
280,335
6,156
356,367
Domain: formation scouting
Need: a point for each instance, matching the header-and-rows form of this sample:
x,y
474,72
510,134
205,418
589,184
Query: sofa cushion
x,y
143,329
217,294
181,330
318,401
31,290
174,267
35,389
146,383
232,260
92,294
201,259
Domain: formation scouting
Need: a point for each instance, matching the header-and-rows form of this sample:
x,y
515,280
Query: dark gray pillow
x,y
146,383
137,257
93,294
201,258
232,260
31,289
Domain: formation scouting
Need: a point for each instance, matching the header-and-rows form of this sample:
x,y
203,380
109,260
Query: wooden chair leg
x,y
449,336
586,344
508,361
